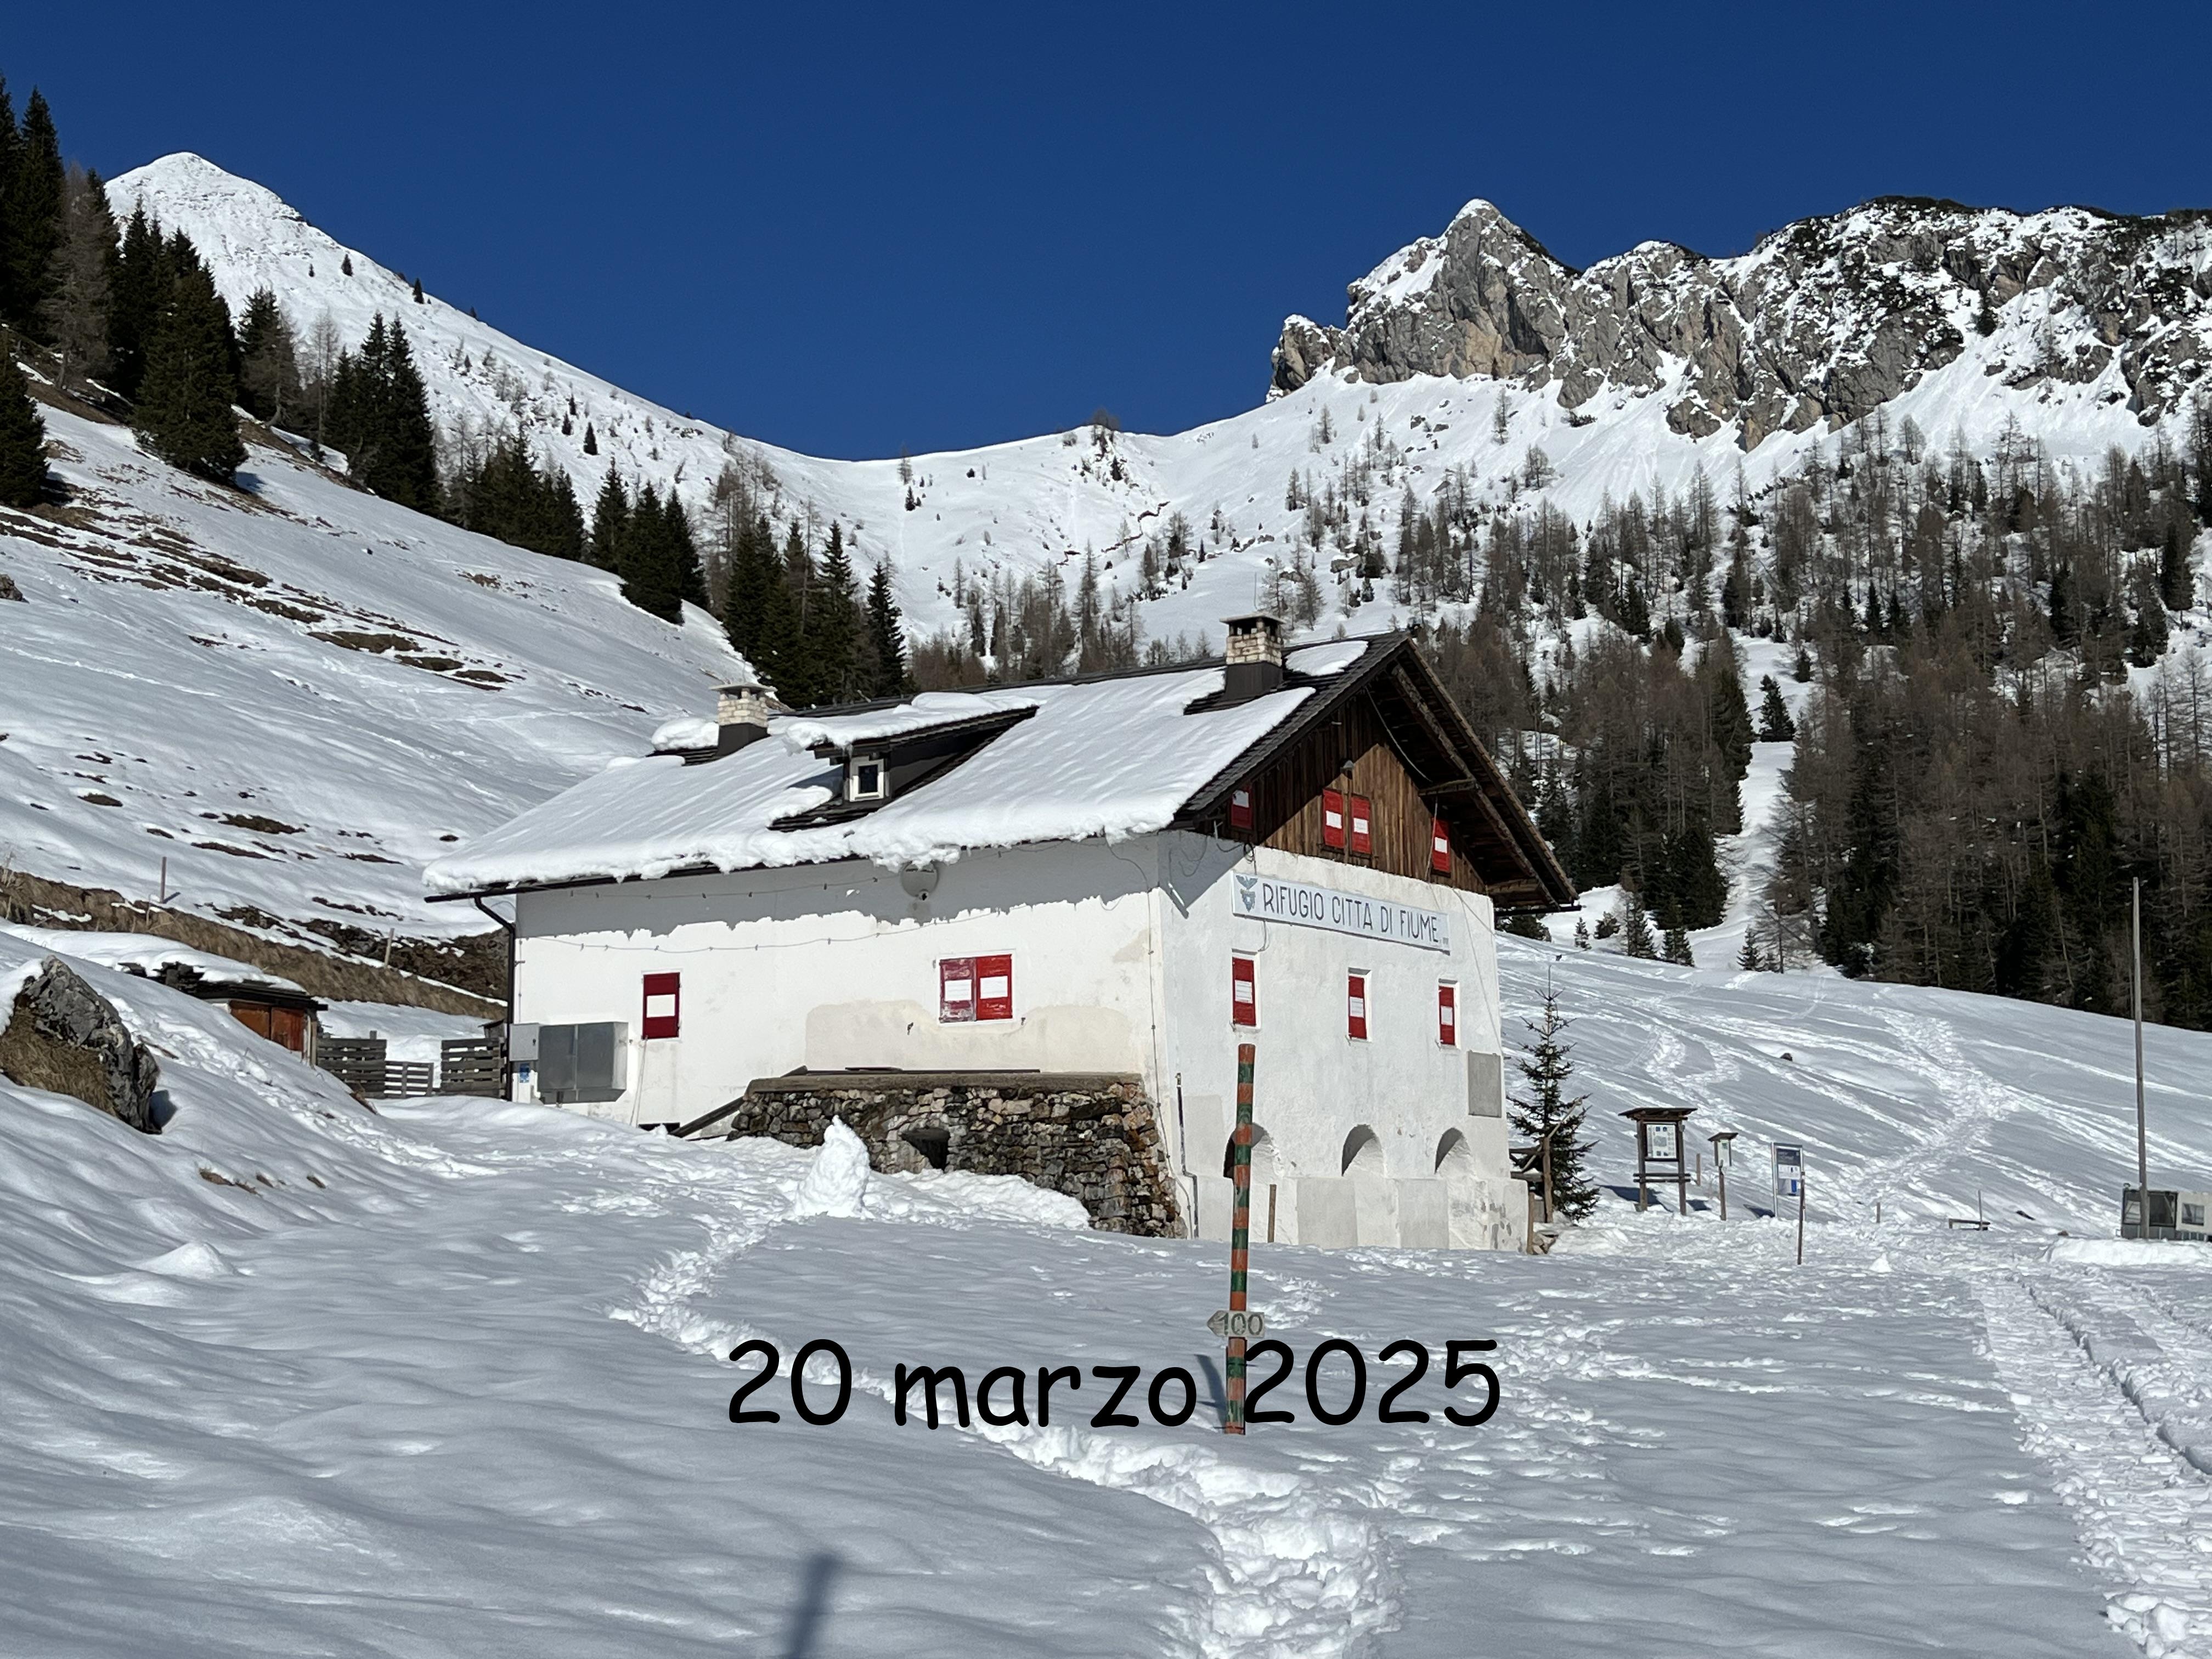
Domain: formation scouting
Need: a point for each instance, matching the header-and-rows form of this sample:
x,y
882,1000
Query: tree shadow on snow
x,y
813,1605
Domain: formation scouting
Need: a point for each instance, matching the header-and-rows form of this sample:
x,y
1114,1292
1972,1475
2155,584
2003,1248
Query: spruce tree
x,y
591,440
1775,725
418,290
794,671
269,368
831,638
686,580
138,295
407,461
1675,948
886,634
183,412
1748,958
1546,1114
1636,926
2177,581
1582,934
609,522
22,440
642,559
33,209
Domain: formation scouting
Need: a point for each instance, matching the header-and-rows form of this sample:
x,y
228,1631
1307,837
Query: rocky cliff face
x,y
1823,321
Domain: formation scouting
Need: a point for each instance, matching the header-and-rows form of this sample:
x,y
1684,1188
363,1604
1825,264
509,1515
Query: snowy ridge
x,y
1435,393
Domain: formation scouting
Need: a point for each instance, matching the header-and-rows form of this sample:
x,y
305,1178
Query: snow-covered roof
x,y
145,954
1116,758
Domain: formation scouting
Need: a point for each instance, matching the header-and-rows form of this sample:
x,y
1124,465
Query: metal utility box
x,y
2173,1214
580,1064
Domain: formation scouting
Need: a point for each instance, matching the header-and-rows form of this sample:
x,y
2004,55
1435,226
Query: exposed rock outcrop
x,y
65,1037
1824,320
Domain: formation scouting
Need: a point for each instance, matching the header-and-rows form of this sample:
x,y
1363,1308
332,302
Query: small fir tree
x,y
1676,946
886,636
418,290
22,440
591,440
1775,725
1636,928
1748,958
1582,934
1547,1112
1801,670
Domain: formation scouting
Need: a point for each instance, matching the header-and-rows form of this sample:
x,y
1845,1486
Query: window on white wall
x,y
1448,1014
970,988
1355,1007
1243,991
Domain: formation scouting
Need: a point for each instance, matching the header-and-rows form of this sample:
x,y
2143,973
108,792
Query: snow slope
x,y
298,695
1022,506
450,1379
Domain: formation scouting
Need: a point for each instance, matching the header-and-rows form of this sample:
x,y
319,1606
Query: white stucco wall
x,y
1122,964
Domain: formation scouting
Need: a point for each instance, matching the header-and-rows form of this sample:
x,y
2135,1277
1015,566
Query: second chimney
x,y
741,712
1254,664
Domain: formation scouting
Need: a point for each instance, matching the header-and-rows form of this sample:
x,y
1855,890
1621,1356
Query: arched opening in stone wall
x,y
1363,1152
1455,1157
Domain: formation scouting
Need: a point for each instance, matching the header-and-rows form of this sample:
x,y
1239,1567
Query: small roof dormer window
x,y
866,778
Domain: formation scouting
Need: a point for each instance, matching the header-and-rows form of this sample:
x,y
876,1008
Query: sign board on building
x,y
1789,1171
1302,905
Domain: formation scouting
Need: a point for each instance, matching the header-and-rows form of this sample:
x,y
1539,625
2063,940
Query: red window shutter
x,y
1240,809
1332,818
663,1005
1363,815
1355,1007
994,988
1243,992
1439,848
956,990
1448,1015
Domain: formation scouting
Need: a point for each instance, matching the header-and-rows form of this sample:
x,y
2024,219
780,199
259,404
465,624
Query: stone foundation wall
x,y
1094,1137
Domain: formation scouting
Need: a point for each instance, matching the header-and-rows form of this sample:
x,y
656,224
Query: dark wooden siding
x,y
1287,800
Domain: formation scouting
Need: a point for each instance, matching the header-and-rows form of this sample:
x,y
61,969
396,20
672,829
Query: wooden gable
x,y
1287,800
1390,732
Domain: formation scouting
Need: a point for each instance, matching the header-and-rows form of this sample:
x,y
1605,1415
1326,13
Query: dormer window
x,y
866,778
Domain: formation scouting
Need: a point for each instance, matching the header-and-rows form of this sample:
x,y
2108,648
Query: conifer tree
x,y
591,440
345,264
1775,725
797,685
2177,581
267,357
1636,926
686,577
1747,959
418,290
22,440
33,209
79,307
139,294
1582,934
886,636
609,522
407,466
1675,947
762,620
1546,1113
183,412
642,561
1985,317
831,637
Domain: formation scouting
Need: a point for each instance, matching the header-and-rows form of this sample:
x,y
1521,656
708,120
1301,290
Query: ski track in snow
x,y
2142,1511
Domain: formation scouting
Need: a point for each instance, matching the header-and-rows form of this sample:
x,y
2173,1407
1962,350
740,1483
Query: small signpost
x,y
1240,1248
1790,1182
1723,1149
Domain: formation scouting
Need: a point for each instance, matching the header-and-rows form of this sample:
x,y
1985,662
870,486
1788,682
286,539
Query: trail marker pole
x,y
1240,1236
1801,1220
2142,1140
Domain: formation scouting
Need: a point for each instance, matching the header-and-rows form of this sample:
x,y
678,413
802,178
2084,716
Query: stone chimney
x,y
741,711
1254,657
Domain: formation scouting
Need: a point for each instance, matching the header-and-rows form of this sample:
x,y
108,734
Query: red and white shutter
x,y
1355,1007
1240,809
994,988
1243,992
1332,818
1362,819
956,990
663,1005
1447,1016
1439,846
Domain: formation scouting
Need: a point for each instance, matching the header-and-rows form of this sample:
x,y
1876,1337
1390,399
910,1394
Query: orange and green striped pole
x,y
1240,1236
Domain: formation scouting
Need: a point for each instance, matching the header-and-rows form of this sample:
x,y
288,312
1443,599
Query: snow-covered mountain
x,y
277,706
1461,354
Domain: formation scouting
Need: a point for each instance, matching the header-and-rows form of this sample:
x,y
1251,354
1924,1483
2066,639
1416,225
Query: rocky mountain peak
x,y
1822,321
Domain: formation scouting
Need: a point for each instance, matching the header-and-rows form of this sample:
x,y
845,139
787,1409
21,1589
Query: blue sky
x,y
850,230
